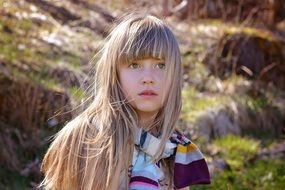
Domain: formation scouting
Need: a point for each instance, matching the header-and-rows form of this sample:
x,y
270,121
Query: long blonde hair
x,y
86,152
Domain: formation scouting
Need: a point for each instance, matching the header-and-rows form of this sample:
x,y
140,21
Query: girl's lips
x,y
147,96
147,93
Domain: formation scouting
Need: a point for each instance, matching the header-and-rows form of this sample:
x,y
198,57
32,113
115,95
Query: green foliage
x,y
262,175
198,71
77,93
12,180
236,149
251,31
257,103
246,173
195,103
44,79
8,50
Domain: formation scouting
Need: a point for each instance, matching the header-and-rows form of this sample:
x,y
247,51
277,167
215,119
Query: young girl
x,y
126,138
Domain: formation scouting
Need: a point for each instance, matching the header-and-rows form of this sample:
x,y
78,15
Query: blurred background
x,y
233,55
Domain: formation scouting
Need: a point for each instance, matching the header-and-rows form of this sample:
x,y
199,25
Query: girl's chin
x,y
146,107
147,110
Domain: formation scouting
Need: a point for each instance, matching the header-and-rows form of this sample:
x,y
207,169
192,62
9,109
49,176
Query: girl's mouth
x,y
147,93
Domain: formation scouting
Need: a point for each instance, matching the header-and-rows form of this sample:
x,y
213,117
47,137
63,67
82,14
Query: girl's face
x,y
144,84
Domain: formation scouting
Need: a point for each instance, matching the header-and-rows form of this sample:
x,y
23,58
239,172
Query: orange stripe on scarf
x,y
185,149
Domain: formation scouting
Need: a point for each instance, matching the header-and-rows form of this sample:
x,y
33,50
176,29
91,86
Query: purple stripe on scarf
x,y
143,179
194,173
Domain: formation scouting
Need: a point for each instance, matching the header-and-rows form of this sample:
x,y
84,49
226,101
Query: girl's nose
x,y
147,81
147,77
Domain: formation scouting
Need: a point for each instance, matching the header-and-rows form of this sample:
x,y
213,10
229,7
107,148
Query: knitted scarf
x,y
189,163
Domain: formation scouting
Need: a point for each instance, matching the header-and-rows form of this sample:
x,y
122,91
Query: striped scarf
x,y
189,164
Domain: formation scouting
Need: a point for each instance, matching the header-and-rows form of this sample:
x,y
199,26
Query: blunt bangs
x,y
146,40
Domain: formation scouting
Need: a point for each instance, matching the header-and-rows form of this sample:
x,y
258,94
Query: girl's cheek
x,y
160,75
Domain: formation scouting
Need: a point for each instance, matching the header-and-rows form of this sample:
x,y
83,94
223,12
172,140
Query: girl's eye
x,y
134,66
161,65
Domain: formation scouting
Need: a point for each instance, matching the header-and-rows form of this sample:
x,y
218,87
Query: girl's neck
x,y
145,121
